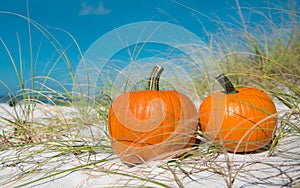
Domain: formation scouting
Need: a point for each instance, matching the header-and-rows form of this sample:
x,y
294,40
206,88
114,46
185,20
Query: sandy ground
x,y
282,169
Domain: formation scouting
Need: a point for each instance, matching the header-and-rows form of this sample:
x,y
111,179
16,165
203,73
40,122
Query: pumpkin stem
x,y
226,84
154,77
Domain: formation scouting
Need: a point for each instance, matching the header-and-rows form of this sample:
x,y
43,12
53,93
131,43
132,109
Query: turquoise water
x,y
56,99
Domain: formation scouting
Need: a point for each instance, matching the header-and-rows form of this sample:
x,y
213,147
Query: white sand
x,y
253,170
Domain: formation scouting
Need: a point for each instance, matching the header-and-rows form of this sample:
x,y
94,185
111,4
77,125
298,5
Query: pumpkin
x,y
151,124
241,120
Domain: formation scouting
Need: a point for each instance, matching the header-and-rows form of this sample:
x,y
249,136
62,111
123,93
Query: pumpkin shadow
x,y
261,150
265,148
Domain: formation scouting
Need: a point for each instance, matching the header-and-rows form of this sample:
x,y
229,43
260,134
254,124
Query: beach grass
x,y
43,143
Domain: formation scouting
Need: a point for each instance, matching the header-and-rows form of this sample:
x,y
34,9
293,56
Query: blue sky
x,y
89,20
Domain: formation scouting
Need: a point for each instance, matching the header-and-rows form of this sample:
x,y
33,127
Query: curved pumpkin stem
x,y
226,84
154,77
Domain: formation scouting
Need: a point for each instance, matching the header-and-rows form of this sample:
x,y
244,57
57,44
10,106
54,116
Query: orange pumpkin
x,y
151,124
241,120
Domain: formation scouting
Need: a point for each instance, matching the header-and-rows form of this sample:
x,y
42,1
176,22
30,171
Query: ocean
x,y
58,100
